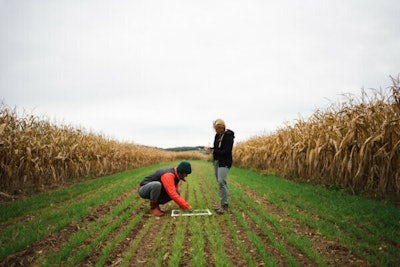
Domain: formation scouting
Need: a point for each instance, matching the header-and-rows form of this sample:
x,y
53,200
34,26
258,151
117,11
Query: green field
x,y
271,222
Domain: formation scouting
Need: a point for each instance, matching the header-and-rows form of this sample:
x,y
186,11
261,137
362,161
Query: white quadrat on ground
x,y
197,212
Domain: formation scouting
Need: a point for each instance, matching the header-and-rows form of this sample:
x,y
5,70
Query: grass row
x,y
369,228
26,221
212,229
252,237
260,237
18,235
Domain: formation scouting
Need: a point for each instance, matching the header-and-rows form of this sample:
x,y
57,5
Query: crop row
x,y
271,221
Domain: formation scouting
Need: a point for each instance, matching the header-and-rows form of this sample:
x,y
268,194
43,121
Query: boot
x,y
219,210
155,209
222,209
158,207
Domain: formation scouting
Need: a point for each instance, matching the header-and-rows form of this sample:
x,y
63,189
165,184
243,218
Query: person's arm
x,y
168,182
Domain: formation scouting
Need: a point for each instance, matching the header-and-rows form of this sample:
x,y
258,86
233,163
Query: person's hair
x,y
219,123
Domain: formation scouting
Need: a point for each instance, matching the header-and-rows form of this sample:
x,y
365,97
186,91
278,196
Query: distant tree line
x,y
185,148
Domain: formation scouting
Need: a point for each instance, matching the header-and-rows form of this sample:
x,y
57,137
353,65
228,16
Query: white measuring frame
x,y
203,212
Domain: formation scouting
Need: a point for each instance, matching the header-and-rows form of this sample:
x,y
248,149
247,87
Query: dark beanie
x,y
184,167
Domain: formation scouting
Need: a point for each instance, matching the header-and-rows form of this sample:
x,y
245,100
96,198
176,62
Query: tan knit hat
x,y
218,123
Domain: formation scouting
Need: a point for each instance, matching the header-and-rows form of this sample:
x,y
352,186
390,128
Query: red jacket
x,y
169,179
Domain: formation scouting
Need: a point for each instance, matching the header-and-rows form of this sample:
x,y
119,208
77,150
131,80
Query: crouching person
x,y
163,186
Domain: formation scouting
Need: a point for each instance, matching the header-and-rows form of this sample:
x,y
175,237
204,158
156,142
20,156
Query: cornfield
x,y
353,145
35,153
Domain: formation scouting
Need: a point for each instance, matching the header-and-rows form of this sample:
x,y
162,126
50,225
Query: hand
x,y
208,149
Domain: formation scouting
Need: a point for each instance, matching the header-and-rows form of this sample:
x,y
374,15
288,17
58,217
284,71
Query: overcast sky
x,y
158,73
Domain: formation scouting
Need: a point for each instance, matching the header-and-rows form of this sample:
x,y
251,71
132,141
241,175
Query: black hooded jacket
x,y
223,144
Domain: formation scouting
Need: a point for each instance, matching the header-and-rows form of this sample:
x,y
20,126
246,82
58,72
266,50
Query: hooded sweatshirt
x,y
223,144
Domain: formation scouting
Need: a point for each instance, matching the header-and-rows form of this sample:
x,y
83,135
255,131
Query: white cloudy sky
x,y
159,72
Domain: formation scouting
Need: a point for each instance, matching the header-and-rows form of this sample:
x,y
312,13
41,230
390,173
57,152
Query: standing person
x,y
163,186
222,155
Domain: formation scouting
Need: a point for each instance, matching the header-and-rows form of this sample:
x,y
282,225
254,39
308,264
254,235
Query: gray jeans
x,y
221,173
155,192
